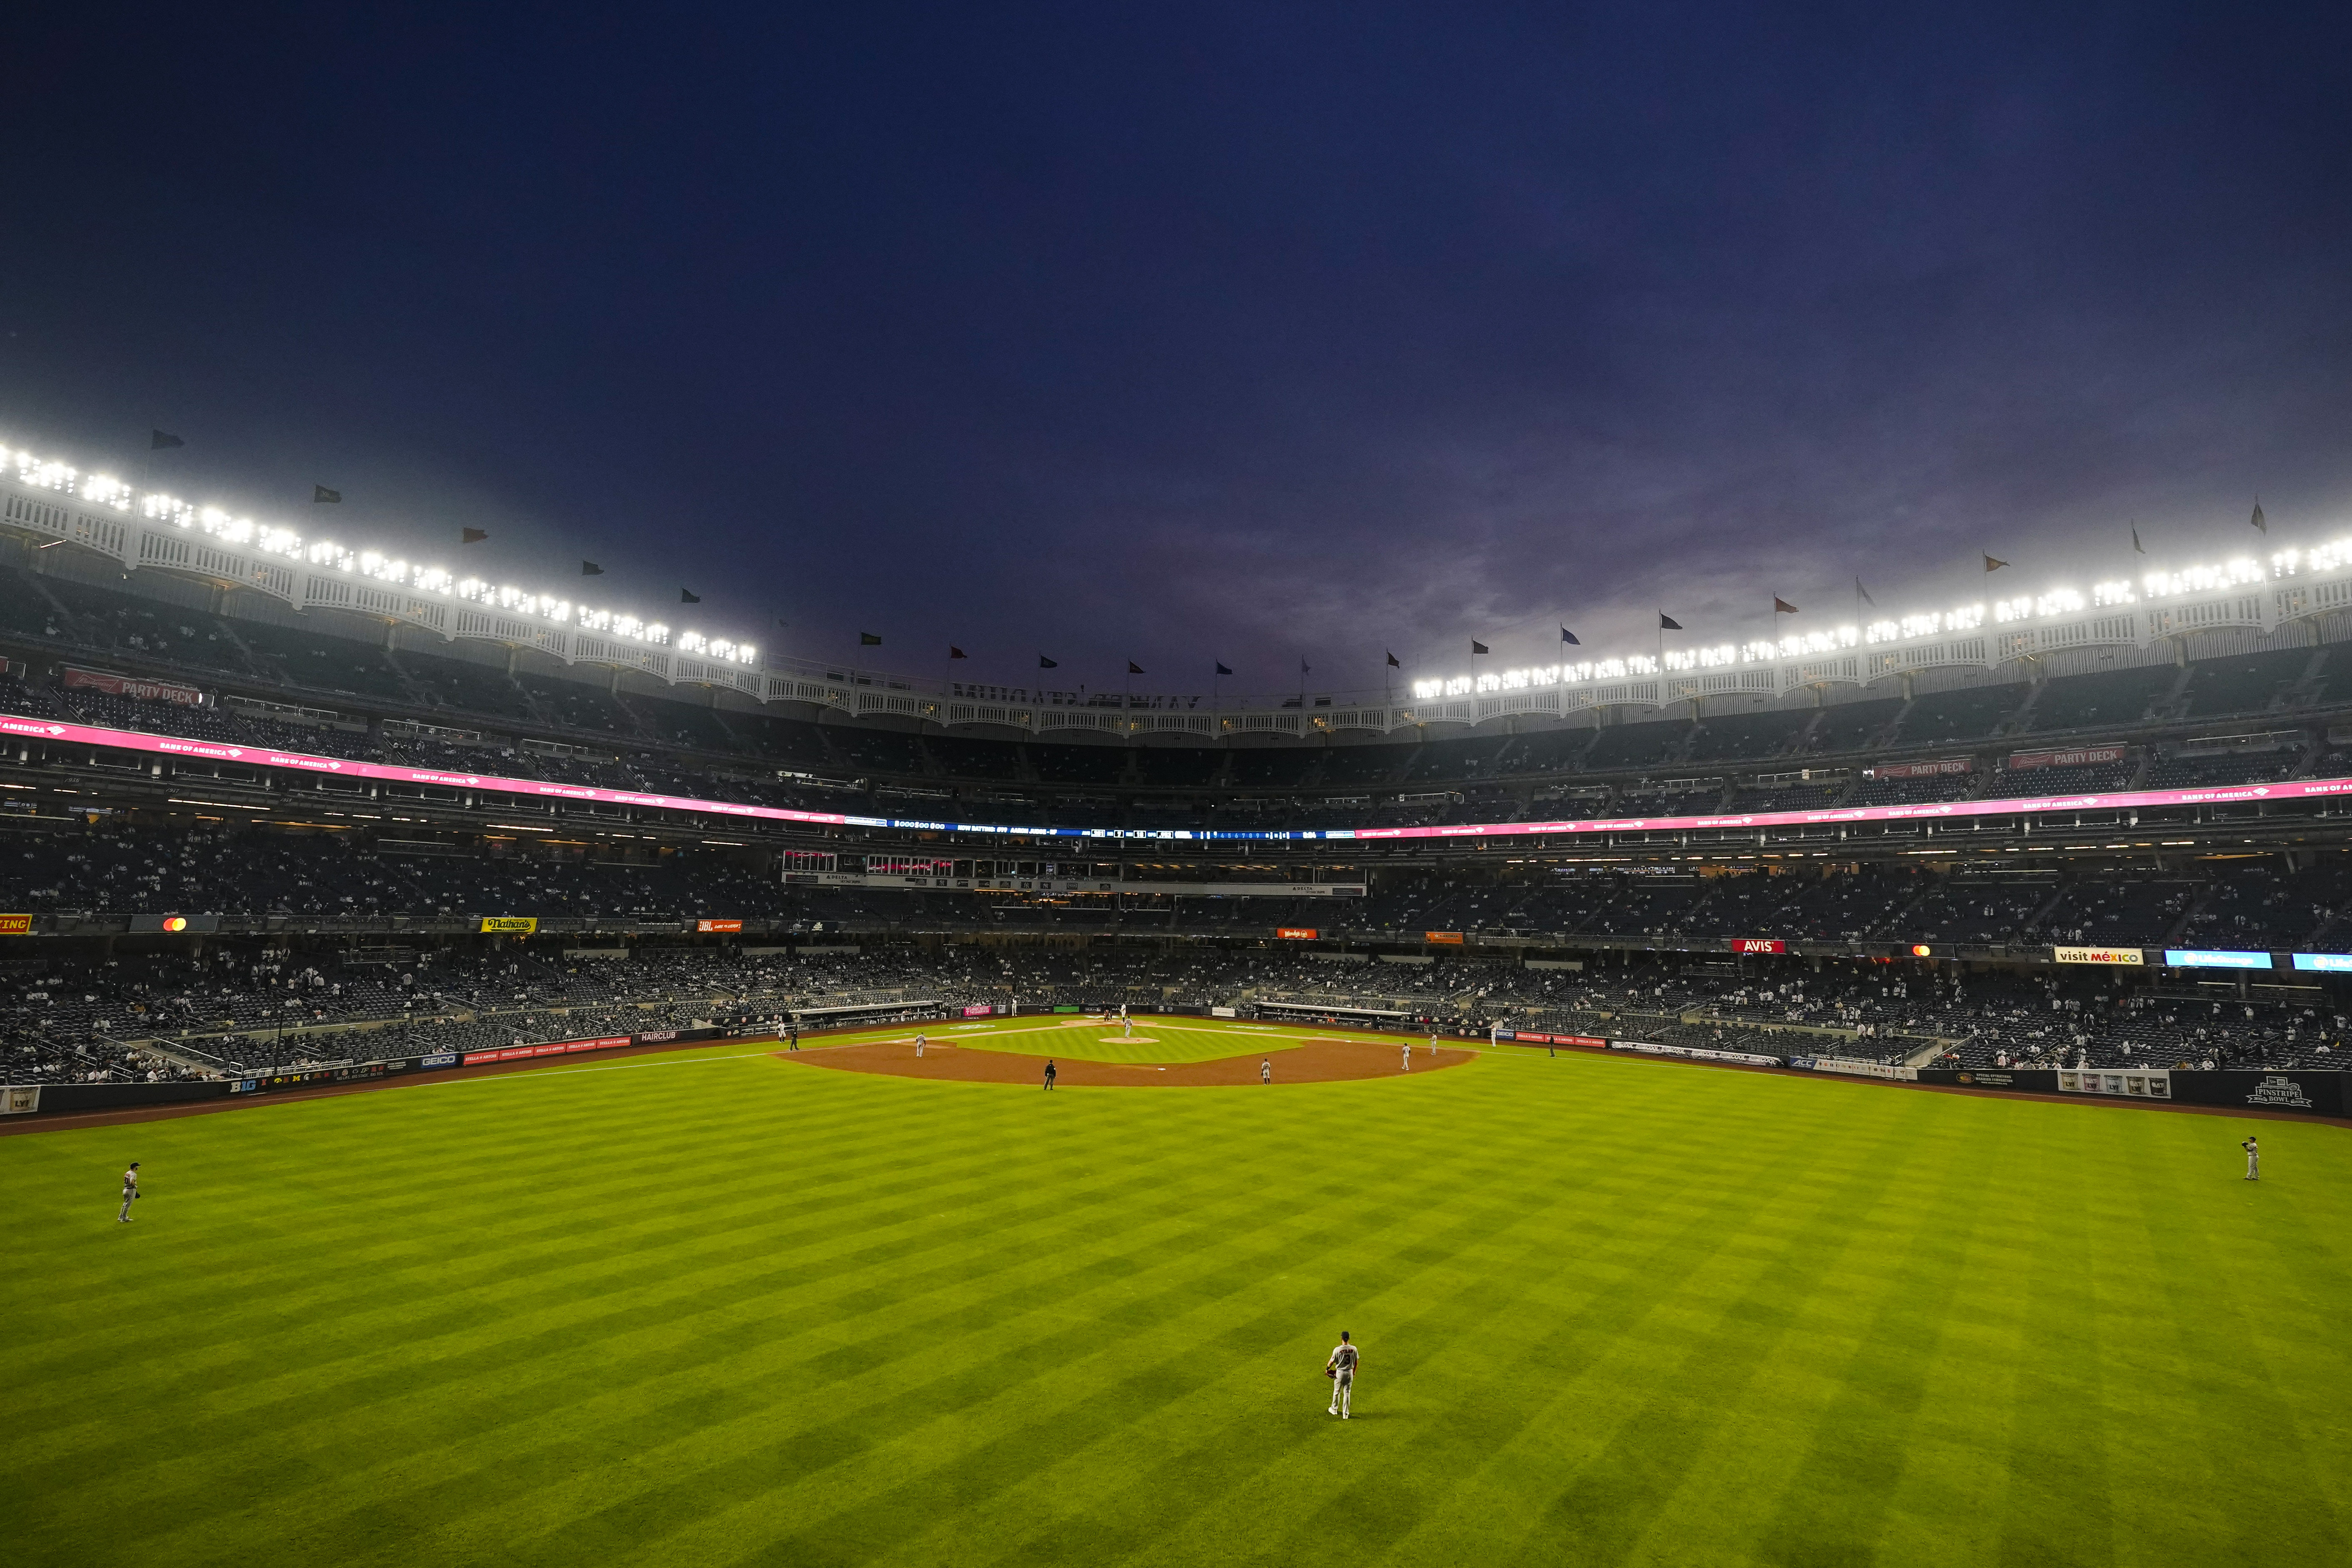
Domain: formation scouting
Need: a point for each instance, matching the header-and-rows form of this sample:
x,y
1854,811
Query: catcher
x,y
1341,1370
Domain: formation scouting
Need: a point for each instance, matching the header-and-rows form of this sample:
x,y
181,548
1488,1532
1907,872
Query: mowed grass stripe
x,y
1604,1224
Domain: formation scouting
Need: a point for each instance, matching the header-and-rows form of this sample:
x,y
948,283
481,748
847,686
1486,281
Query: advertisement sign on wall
x,y
1453,938
510,924
1758,944
707,926
2214,959
2081,756
15,925
2099,955
1298,933
2330,963
131,686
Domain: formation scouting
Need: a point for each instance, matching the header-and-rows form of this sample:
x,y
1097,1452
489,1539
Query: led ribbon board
x,y
539,789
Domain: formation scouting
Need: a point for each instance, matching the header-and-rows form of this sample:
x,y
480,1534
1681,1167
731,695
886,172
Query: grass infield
x,y
712,1308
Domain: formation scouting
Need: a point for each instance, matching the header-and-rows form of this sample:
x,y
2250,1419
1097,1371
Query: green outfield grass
x,y
713,1307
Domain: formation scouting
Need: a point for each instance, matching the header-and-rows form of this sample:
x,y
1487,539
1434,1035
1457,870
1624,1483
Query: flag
x,y
160,440
1992,565
687,596
1476,647
1221,668
2256,520
1133,668
956,652
1667,622
2137,548
590,569
1863,594
1393,661
1302,665
1781,606
1569,637
471,535
1045,664
868,640
320,493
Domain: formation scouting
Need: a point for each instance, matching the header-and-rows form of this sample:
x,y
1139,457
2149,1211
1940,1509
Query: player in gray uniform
x,y
1342,1368
1408,1056
130,1191
1265,1071
918,1047
2253,1161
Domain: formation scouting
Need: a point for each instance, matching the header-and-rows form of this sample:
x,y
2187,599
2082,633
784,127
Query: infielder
x,y
1341,1370
1408,1056
130,1191
1265,1071
2253,1161
918,1046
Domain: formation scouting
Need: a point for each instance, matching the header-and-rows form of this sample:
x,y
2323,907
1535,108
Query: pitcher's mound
x,y
1316,1061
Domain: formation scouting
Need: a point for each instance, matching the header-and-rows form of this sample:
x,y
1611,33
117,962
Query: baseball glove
x,y
1330,1372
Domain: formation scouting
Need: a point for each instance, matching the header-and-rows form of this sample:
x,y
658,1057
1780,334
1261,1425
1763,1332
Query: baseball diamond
x,y
723,1303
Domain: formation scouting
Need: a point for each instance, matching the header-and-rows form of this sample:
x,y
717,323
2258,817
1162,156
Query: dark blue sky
x,y
1183,332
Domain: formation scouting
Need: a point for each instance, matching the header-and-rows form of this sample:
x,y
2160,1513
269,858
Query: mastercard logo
x,y
175,923
1921,951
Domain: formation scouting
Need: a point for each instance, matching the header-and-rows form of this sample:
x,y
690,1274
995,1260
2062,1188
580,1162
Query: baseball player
x,y
1341,1370
918,1046
1125,1022
1408,1056
130,1190
2253,1161
1051,1070
1265,1071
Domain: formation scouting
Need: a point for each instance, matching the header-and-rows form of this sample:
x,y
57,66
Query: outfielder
x,y
1341,1370
2253,1161
1408,1056
130,1191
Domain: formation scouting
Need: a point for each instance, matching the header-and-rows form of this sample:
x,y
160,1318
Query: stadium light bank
x,y
2120,592
99,490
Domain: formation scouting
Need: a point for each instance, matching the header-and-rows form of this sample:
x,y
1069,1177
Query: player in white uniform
x,y
1125,1022
918,1047
130,1191
1408,1056
2253,1161
1342,1368
1265,1071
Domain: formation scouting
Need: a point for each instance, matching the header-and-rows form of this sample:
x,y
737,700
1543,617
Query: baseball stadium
x,y
612,1093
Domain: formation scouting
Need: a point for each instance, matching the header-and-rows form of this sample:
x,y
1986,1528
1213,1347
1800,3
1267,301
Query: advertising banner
x,y
1453,938
2023,1079
172,924
20,1098
510,924
2097,955
2133,1083
1526,1037
1758,944
2328,963
131,686
979,1012
1700,1053
706,927
15,925
1298,933
2083,757
1922,770
551,1048
2312,1094
2214,959
1225,1012
1854,1068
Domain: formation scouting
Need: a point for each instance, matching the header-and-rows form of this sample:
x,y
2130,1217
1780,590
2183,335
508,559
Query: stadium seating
x,y
2113,697
2247,683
